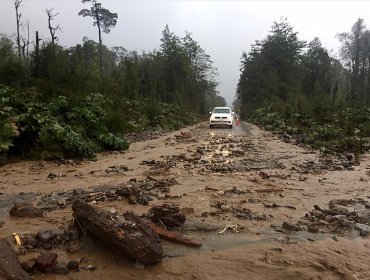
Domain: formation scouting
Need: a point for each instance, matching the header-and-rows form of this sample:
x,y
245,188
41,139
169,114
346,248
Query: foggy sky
x,y
223,28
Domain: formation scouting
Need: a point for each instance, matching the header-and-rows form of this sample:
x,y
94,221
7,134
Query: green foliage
x,y
112,142
57,127
346,130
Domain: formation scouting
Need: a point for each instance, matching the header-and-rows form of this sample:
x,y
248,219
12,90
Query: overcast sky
x,y
223,28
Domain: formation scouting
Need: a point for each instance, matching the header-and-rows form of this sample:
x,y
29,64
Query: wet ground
x,y
236,186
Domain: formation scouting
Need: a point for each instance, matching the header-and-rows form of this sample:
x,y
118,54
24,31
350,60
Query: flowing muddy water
x,y
245,179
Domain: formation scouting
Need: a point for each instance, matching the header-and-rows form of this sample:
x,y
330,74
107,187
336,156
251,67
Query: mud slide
x,y
263,208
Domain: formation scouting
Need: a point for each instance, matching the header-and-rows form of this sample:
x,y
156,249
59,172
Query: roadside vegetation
x,y
58,101
300,90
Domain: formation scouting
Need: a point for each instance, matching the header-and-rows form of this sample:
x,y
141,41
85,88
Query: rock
x,y
10,268
347,224
26,210
90,267
73,266
73,248
289,226
60,268
46,261
45,235
30,242
363,216
62,203
169,215
313,229
337,201
28,265
340,209
363,229
318,214
225,208
330,218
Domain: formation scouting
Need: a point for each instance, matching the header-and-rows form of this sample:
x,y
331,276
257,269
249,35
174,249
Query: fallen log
x,y
131,238
10,268
174,236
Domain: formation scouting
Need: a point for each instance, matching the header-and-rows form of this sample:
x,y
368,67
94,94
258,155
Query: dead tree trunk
x,y
37,54
131,238
10,268
17,3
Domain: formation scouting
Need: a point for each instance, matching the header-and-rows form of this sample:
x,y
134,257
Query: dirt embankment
x,y
249,197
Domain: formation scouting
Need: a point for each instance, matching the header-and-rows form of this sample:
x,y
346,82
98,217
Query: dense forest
x,y
58,101
300,90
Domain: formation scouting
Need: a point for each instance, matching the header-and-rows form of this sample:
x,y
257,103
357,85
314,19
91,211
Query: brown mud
x,y
236,187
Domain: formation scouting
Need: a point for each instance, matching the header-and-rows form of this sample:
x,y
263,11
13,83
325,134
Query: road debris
x,y
130,237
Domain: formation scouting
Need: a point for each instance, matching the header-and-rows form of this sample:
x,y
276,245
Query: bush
x,y
345,130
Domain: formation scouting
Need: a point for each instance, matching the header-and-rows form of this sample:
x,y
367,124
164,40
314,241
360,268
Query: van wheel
x,y
231,126
210,126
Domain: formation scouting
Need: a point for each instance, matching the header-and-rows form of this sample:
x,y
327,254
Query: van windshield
x,y
221,111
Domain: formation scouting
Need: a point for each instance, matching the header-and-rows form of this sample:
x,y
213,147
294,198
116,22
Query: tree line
x,y
297,87
58,101
180,71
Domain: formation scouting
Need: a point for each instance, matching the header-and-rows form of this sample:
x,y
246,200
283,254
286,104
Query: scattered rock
x,y
117,169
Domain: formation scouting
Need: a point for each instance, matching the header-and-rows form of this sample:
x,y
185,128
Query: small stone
x,y
290,226
62,203
334,238
313,229
73,266
60,268
45,235
28,265
30,242
363,229
340,209
318,214
73,248
347,224
330,219
90,267
334,202
46,261
225,208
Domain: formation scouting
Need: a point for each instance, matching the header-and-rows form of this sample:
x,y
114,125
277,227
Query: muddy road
x,y
257,203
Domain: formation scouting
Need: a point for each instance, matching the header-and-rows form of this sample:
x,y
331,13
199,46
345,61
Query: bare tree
x,y
52,29
25,44
18,15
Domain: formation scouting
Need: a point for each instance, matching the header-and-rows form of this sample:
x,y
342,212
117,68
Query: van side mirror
x,y
210,113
